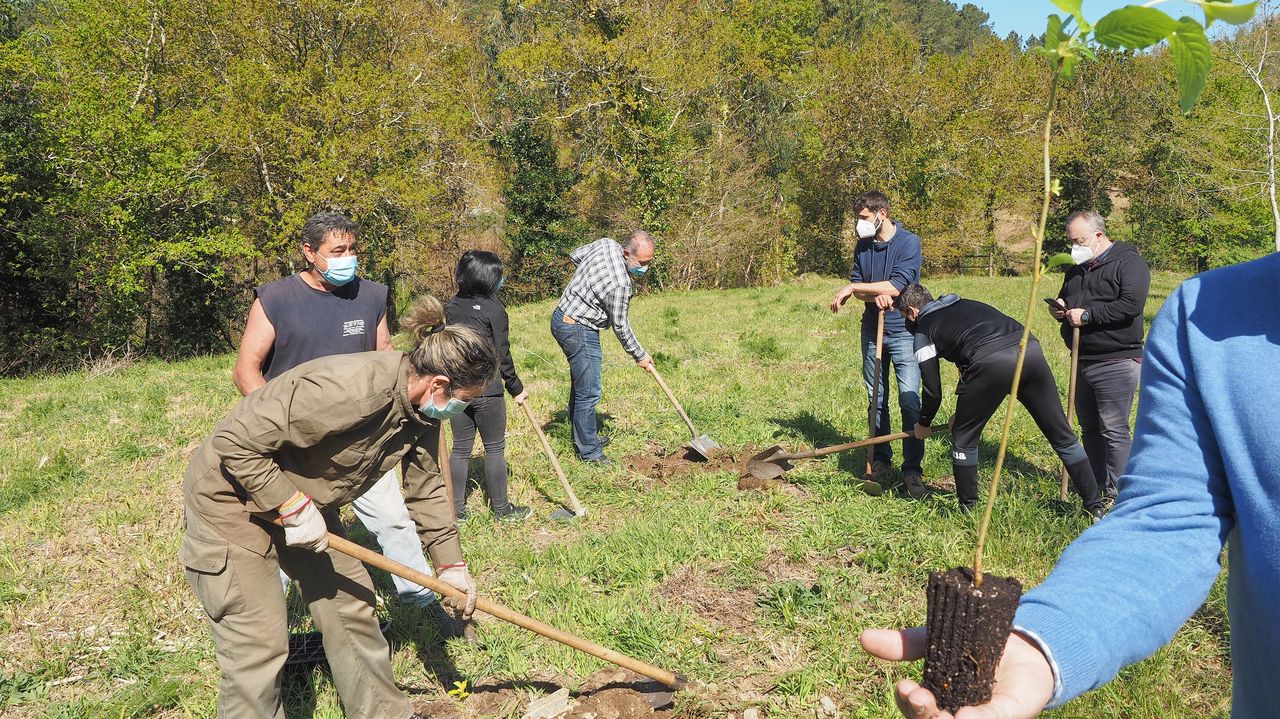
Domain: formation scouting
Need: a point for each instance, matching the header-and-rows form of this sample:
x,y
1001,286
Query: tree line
x,y
158,157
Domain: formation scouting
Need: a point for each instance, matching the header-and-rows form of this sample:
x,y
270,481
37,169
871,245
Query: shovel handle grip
x,y
368,556
574,504
674,402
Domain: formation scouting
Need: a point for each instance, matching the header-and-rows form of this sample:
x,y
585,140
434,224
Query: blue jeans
x,y
899,351
581,345
382,512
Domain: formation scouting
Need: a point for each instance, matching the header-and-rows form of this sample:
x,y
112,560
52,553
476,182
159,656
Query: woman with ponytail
x,y
479,277
308,442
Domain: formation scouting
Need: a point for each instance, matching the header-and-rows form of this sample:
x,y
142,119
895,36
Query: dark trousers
x,y
581,346
984,386
489,416
1104,398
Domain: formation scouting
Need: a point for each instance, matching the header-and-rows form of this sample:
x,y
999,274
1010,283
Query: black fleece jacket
x,y
1114,290
490,317
962,332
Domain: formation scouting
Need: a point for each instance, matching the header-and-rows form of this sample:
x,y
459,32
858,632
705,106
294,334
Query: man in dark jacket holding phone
x,y
1104,295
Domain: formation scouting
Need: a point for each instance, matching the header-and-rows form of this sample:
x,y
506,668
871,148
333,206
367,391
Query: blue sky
x,y
1027,17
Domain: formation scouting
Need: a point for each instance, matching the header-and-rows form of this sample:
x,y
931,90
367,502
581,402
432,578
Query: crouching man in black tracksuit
x,y
983,343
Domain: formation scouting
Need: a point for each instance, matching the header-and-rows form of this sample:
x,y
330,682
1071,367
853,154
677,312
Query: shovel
x,y
874,410
368,556
773,461
559,514
701,445
1071,398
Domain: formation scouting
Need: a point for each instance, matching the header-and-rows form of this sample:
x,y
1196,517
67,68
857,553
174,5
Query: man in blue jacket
x,y
886,259
1204,472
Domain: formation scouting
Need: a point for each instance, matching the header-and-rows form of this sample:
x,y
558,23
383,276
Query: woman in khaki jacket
x,y
310,441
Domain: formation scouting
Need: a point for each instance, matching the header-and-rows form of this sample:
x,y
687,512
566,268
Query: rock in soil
x,y
968,628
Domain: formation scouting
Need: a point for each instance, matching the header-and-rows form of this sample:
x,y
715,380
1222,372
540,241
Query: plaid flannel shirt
x,y
600,292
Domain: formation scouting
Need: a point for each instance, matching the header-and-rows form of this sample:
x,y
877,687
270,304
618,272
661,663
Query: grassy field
x,y
760,595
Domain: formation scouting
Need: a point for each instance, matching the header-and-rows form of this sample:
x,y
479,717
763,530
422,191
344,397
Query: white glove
x,y
303,524
456,575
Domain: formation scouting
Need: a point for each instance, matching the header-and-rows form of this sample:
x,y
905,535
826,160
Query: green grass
x,y
761,596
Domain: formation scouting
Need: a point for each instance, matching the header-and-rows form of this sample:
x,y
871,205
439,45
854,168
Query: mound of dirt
x,y
654,463
610,693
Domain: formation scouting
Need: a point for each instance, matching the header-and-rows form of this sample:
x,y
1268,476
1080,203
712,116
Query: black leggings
x,y
984,386
489,415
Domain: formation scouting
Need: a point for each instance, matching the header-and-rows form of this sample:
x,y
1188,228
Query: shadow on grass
x,y
559,424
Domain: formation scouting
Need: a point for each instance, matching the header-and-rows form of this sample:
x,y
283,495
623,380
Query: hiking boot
x,y
914,482
516,513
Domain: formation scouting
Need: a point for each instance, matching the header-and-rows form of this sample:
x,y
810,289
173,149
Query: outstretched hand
x,y
1024,681
841,297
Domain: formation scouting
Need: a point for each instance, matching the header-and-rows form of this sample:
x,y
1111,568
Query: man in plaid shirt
x,y
596,298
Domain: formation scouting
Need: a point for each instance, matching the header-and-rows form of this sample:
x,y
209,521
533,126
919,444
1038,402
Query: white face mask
x,y
1081,254
867,229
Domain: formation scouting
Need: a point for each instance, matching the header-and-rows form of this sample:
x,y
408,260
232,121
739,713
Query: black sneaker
x,y
602,460
461,515
516,513
1097,513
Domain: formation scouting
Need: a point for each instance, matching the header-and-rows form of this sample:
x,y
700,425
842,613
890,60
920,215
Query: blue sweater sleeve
x,y
906,262
1123,588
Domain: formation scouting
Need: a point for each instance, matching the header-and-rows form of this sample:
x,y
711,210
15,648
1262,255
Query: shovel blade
x,y
564,515
768,469
703,446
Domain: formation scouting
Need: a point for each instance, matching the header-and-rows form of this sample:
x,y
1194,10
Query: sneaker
x,y
602,460
967,507
516,513
461,515
1097,513
915,484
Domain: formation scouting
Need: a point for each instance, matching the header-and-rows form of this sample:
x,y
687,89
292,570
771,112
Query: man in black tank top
x,y
322,311
983,343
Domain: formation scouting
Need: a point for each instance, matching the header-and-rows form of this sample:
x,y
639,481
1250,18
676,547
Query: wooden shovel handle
x,y
873,410
846,446
674,402
574,504
368,556
1071,398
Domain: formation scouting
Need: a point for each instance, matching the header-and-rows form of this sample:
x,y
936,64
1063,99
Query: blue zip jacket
x,y
1204,472
897,261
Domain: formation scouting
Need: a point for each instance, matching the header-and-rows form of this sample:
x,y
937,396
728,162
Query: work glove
x,y
457,576
303,524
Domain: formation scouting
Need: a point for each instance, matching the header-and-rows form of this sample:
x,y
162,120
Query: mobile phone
x,y
1053,302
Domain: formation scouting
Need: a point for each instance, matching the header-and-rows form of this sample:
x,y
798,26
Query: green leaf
x,y
1133,28
1053,34
1072,8
1058,260
1192,56
1226,12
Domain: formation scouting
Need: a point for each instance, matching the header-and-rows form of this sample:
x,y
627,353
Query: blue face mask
x,y
341,270
501,281
638,270
452,408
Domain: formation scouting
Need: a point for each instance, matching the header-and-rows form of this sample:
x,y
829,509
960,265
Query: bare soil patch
x,y
656,463
693,587
610,693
